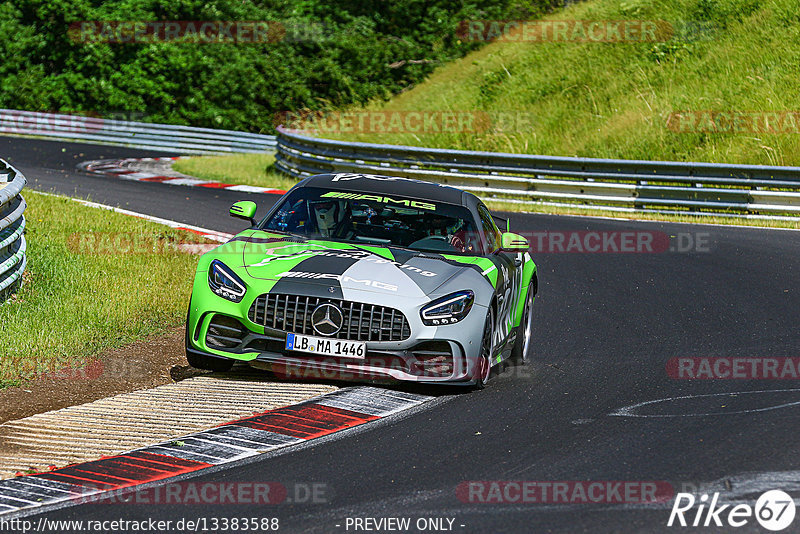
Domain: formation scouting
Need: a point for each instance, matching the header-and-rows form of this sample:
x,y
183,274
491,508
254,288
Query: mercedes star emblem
x,y
327,319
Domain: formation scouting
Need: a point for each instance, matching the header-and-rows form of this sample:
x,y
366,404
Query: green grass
x,y
612,100
79,299
244,169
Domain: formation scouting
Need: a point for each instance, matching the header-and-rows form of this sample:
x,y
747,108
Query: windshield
x,y
376,219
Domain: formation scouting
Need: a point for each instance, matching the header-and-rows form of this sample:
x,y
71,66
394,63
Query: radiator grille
x,y
362,322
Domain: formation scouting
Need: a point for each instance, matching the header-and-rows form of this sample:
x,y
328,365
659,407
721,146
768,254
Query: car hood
x,y
296,265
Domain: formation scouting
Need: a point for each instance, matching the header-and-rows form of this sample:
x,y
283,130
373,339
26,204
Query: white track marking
x,y
629,411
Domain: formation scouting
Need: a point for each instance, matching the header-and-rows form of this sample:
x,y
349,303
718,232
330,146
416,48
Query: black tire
x,y
484,368
209,363
519,353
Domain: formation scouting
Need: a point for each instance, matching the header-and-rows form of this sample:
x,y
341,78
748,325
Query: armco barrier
x,y
12,227
150,136
602,183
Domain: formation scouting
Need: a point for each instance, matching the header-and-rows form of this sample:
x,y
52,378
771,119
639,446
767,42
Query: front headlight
x,y
449,309
225,283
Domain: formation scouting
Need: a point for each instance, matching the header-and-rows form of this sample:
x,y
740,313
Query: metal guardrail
x,y
12,227
150,136
600,183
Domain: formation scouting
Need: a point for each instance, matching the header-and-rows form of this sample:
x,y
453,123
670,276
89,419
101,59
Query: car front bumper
x,y
430,354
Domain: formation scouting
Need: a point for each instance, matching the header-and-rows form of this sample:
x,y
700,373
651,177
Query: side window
x,y
489,229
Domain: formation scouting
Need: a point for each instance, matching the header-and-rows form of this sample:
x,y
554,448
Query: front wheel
x,y
484,367
522,345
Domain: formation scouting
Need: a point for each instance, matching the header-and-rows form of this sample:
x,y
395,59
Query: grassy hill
x,y
615,99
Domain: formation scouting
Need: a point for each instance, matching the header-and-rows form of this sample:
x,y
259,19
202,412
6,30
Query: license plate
x,y
326,346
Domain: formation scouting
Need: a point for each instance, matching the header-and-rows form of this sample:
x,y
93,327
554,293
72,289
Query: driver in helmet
x,y
452,230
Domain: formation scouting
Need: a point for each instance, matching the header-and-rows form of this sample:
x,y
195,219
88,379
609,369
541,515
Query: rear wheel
x,y
525,330
484,367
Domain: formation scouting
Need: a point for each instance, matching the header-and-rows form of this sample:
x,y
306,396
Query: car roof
x,y
391,185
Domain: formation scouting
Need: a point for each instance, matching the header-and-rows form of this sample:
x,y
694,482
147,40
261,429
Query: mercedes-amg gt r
x,y
365,277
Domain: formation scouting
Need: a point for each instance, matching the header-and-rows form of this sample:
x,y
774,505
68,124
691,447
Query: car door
x,y
509,279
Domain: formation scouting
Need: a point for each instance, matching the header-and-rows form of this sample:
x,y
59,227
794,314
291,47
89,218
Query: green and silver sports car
x,y
365,277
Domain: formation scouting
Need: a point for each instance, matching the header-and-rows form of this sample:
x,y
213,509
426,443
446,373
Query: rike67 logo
x,y
774,510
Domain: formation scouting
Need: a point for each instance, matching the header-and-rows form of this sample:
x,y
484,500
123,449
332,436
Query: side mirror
x,y
244,209
511,242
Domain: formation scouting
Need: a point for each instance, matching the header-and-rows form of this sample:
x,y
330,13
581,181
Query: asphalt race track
x,y
606,325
